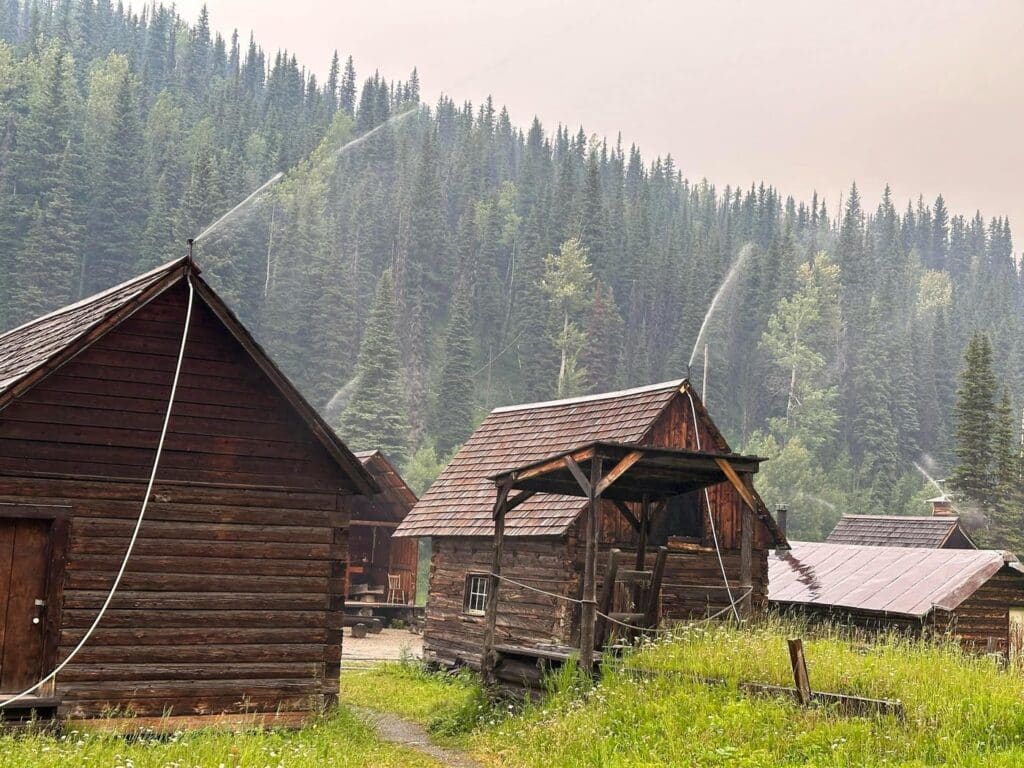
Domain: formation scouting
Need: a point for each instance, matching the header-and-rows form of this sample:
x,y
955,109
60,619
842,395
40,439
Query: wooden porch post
x,y
489,656
641,545
588,614
747,552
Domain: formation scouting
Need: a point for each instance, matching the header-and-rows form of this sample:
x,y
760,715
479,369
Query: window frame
x,y
469,593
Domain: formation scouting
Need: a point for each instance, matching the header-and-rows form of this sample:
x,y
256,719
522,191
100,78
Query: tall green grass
x,y
960,710
338,739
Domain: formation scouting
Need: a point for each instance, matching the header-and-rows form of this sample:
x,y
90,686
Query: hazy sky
x,y
926,95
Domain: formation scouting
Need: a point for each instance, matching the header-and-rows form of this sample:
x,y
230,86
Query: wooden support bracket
x,y
737,483
619,470
628,514
574,468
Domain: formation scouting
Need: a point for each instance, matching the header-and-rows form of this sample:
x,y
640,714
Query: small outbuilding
x,y
515,538
232,599
940,530
974,595
382,568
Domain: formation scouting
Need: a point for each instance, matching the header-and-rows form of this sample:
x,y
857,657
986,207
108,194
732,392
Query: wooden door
x,y
24,566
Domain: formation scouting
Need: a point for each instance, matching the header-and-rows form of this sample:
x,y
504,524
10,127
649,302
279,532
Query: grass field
x,y
338,740
960,710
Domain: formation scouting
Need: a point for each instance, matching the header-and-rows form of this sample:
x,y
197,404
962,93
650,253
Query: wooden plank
x,y
589,606
734,480
25,630
588,486
628,514
556,463
490,659
746,560
619,470
7,528
607,595
799,664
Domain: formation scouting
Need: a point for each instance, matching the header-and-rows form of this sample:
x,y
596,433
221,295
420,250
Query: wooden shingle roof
x,y
932,531
460,501
31,352
902,581
396,498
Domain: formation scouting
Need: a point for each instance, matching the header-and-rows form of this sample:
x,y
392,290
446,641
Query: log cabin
x,y
381,565
973,595
232,599
498,536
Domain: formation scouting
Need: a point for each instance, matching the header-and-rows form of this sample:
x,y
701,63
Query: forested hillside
x,y
453,261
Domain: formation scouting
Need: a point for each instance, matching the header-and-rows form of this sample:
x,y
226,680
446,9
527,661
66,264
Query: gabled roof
x,y
31,352
395,499
899,581
460,501
932,531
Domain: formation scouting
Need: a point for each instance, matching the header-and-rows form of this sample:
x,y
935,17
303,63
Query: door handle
x,y
40,611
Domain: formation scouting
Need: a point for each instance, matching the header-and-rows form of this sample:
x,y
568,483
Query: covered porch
x,y
639,481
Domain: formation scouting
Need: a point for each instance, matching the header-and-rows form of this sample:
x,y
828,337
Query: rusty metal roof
x,y
904,581
460,501
932,531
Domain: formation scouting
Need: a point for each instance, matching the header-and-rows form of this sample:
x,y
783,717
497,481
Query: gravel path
x,y
389,645
398,731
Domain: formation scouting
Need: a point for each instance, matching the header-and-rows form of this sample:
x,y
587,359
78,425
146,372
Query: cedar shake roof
x,y
31,352
460,501
932,531
885,580
395,498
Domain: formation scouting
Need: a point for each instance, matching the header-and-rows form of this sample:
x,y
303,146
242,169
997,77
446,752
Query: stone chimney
x,y
941,506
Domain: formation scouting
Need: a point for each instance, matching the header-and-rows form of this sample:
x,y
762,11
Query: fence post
x,y
800,678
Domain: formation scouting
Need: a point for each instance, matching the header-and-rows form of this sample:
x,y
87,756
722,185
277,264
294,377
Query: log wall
x,y
524,617
232,599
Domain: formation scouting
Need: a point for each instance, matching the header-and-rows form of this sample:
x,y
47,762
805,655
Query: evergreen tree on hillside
x,y
974,415
453,409
603,349
374,417
567,280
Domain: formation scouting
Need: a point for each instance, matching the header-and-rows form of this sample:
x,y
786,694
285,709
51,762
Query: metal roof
x,y
932,531
460,501
902,581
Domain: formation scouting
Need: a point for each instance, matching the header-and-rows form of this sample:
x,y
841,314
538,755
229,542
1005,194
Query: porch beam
x,y
619,470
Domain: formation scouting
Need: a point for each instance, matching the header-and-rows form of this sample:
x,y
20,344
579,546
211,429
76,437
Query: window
x,y
475,599
683,518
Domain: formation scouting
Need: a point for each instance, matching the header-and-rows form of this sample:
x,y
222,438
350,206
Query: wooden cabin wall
x,y
674,429
232,598
101,414
226,606
524,616
985,615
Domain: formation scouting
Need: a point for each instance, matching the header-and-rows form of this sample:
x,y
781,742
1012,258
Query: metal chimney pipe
x,y
781,517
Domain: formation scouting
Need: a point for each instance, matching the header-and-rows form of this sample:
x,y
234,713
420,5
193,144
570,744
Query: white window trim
x,y
469,593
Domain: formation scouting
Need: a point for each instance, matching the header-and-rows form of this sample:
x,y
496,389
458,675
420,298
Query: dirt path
x,y
399,731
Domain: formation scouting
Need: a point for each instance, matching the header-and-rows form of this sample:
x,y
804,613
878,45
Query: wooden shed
x,y
381,567
974,595
545,533
232,599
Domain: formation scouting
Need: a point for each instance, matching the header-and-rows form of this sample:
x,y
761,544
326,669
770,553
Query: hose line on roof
x,y
138,523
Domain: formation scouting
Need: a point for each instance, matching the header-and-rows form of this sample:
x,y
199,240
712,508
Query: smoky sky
x,y
803,95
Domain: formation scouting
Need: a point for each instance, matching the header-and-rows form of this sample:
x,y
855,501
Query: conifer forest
x,y
415,265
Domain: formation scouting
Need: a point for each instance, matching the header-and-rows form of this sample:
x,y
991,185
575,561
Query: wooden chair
x,y
396,593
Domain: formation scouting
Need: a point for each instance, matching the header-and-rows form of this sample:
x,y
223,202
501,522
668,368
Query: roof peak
x,y
672,383
166,267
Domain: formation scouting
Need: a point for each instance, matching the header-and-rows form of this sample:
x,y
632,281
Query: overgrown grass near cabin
x,y
338,739
960,710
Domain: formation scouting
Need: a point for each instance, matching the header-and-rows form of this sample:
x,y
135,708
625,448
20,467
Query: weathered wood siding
x,y
524,616
228,603
984,617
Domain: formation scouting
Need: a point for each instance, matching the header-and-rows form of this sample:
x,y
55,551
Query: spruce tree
x,y
974,416
453,410
375,416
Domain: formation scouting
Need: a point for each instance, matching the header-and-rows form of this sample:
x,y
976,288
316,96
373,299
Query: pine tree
x,y
601,354
374,417
974,415
453,410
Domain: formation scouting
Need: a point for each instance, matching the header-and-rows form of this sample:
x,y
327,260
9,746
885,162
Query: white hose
x,y
711,517
138,523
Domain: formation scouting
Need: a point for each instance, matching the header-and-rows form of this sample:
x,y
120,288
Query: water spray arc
x,y
227,216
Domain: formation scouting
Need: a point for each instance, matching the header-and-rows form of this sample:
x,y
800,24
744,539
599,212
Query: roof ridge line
x,y
166,267
671,383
